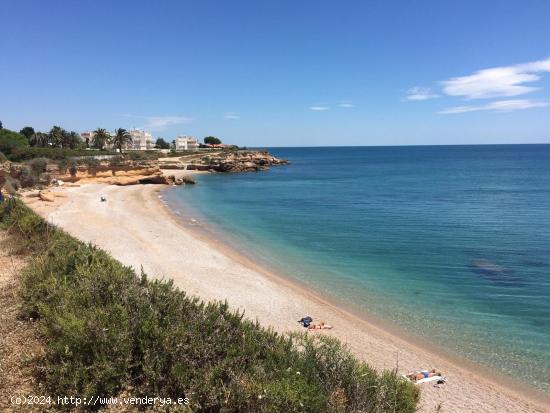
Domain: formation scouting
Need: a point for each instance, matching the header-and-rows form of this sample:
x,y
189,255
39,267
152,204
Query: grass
x,y
109,330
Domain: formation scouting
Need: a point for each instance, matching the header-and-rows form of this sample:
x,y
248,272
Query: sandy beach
x,y
137,228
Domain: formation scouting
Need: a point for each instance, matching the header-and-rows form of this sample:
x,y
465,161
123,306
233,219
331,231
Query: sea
x,y
447,243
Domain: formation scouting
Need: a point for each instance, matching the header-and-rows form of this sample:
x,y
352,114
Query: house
x,y
141,140
87,137
186,143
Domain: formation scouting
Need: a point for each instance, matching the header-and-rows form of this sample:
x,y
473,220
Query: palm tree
x,y
101,137
56,137
39,139
121,138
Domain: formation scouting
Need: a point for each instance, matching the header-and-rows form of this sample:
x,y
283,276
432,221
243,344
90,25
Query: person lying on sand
x,y
320,326
423,374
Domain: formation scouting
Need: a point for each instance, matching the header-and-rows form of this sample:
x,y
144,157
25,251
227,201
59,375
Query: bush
x,y
38,165
73,167
27,177
10,140
116,161
62,165
25,153
142,155
107,328
91,163
3,158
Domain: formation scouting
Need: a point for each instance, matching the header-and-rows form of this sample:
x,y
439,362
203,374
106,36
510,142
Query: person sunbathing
x,y
320,326
423,374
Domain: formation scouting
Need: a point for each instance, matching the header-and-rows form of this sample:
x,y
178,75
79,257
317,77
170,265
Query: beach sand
x,y
136,227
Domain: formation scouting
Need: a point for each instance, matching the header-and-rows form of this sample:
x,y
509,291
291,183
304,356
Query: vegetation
x,y
162,144
116,161
108,331
62,165
121,138
24,153
38,165
91,163
73,167
39,139
60,138
27,132
212,140
142,155
101,138
9,140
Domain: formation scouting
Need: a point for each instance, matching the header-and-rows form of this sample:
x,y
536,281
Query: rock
x,y
46,196
172,166
240,161
187,180
158,179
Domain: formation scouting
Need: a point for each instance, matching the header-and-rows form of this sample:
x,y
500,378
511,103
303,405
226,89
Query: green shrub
x,y
10,140
107,329
24,153
73,167
91,163
62,165
38,165
142,155
27,177
3,158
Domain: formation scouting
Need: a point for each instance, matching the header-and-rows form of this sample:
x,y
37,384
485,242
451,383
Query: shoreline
x,y
221,272
206,233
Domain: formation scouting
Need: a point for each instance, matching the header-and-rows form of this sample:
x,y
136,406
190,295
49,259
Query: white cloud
x,y
420,93
160,122
231,115
498,106
346,105
319,108
497,82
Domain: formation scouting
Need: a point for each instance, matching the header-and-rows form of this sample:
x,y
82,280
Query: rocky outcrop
x,y
240,161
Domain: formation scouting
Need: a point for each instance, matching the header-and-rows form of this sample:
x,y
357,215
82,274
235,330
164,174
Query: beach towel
x,y
429,379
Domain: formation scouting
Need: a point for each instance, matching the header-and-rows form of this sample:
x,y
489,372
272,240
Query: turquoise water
x,y
450,243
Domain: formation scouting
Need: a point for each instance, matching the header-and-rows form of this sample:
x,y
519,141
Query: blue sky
x,y
281,73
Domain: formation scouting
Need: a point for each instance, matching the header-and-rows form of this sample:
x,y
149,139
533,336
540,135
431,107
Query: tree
x,y
60,138
212,140
10,140
39,139
162,144
101,138
72,140
1,124
56,137
121,138
27,132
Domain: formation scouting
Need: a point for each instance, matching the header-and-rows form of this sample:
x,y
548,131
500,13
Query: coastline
x,y
151,235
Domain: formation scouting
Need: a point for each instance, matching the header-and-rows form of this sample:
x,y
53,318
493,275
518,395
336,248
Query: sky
x,y
281,73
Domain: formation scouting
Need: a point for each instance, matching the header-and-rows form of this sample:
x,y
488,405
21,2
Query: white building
x,y
87,137
186,143
141,140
